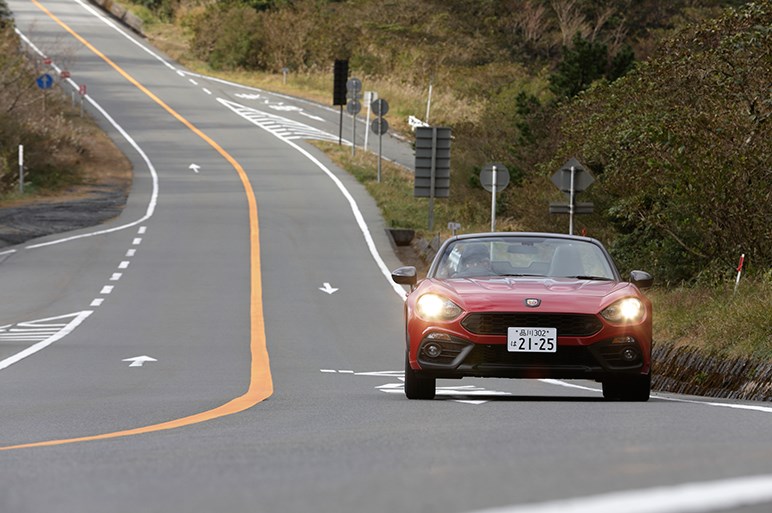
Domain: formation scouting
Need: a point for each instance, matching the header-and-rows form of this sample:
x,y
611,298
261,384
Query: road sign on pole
x,y
353,88
432,165
380,126
340,76
494,179
572,178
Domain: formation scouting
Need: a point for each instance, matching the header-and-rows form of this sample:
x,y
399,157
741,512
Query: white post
x,y
493,202
739,272
369,98
571,204
21,168
428,103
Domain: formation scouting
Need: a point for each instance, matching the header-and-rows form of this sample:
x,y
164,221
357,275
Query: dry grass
x,y
717,320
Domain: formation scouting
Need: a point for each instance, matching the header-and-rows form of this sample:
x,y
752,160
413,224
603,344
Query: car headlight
x,y
433,307
626,310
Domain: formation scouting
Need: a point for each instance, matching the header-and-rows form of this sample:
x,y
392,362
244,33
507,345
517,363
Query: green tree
x,y
585,62
682,151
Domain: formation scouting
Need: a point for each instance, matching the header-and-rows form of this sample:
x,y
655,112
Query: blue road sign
x,y
45,81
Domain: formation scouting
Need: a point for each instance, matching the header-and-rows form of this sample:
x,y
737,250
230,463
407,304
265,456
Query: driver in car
x,y
476,260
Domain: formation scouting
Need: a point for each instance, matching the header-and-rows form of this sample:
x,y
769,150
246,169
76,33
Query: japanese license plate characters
x,y
532,340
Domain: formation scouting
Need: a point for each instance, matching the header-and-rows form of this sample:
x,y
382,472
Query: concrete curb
x,y
685,370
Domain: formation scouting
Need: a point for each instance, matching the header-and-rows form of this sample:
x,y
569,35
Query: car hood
x,y
555,294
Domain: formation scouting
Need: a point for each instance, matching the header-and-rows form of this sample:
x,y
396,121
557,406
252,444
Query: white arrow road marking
x,y
328,288
138,361
194,167
43,331
454,393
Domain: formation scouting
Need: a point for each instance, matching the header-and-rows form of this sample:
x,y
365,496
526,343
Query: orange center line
x,y
260,382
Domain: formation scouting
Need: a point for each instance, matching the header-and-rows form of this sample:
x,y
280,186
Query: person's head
x,y
476,257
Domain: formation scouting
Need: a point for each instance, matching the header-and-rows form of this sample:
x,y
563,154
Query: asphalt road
x,y
192,355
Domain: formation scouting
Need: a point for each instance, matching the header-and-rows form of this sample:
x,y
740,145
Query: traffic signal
x,y
339,82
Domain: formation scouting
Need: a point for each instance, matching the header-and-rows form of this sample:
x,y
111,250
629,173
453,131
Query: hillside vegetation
x,y
667,103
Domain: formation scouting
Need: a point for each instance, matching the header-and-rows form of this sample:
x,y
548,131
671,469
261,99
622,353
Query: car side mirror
x,y
641,279
405,276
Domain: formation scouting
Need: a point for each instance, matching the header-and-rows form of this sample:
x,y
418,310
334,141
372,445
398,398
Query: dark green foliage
x,y
6,16
685,148
584,63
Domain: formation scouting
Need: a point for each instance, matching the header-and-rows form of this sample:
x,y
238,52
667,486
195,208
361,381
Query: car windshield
x,y
524,256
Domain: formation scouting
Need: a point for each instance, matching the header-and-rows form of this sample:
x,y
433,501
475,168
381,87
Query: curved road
x,y
232,343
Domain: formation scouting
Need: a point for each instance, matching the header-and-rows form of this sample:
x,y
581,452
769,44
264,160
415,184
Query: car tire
x,y
634,389
417,387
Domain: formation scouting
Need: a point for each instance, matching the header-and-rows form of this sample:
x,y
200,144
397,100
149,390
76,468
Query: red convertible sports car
x,y
527,305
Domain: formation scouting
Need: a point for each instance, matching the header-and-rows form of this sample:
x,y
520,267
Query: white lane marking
x,y
8,252
137,241
352,203
154,195
116,276
107,289
281,127
457,393
97,302
193,82
329,289
139,361
764,409
690,497
750,407
207,91
315,118
194,167
124,264
58,331
112,25
142,230
131,252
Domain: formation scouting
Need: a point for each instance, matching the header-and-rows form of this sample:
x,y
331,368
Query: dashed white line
x,y
97,302
207,91
116,276
131,252
142,230
107,289
193,82
124,265
137,241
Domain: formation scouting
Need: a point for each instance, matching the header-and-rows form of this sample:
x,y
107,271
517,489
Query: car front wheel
x,y
417,387
635,388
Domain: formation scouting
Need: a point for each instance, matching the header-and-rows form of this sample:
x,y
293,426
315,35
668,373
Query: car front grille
x,y
571,325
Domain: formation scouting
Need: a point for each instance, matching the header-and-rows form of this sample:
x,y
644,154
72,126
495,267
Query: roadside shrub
x,y
680,148
227,36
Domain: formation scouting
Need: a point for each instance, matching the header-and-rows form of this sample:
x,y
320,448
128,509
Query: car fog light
x,y
432,350
629,354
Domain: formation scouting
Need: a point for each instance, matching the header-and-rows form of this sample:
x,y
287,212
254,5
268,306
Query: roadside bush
x,y
52,144
227,36
681,149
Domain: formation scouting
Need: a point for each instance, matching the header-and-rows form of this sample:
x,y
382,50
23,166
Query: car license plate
x,y
532,340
